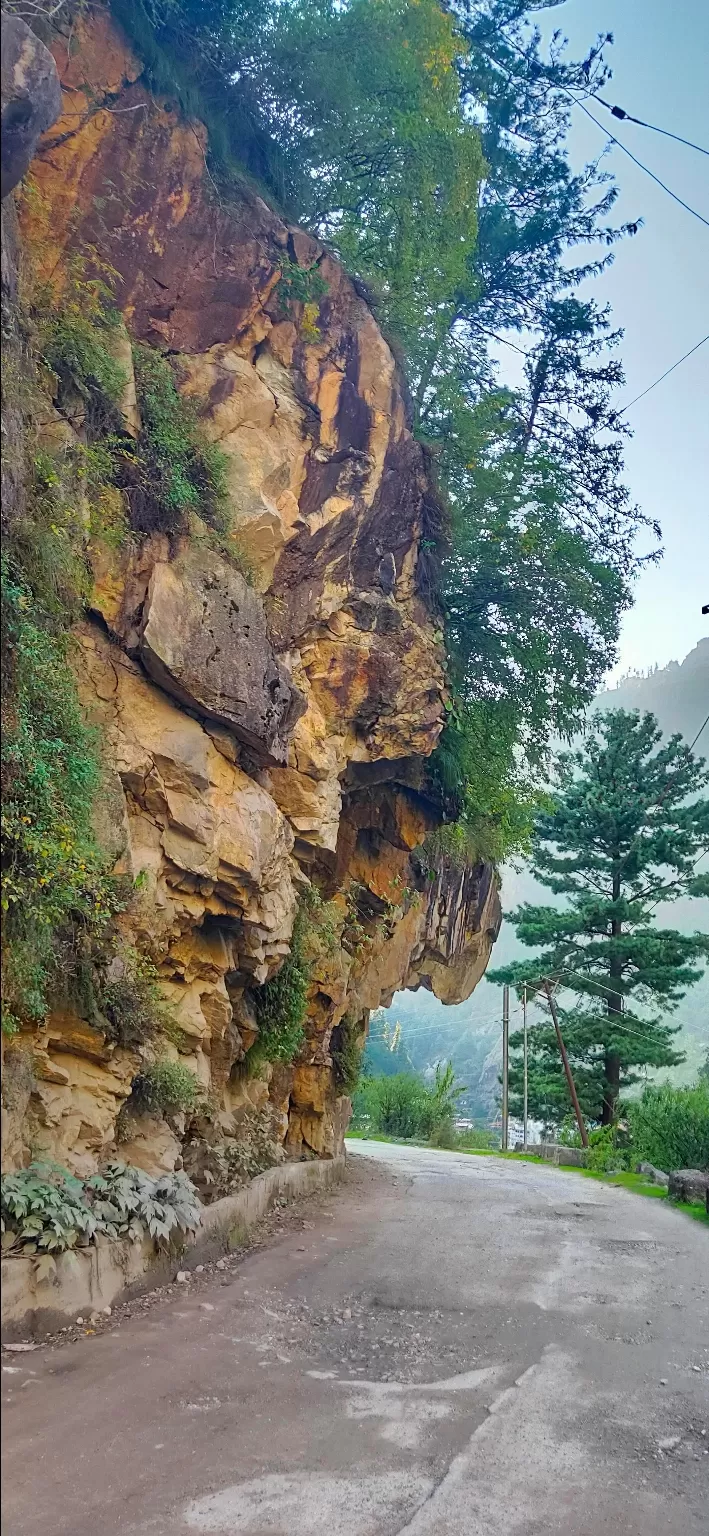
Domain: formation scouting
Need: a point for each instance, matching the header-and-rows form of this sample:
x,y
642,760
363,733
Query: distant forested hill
x,y
469,1035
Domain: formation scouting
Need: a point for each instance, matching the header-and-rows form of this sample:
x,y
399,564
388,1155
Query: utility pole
x,y
526,1078
569,1075
505,1061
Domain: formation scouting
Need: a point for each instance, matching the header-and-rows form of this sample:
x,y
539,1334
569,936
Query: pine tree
x,y
626,828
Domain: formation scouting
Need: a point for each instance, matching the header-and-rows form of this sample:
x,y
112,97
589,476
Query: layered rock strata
x,y
265,727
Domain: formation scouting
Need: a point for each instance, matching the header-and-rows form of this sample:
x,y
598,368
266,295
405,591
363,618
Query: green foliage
x,y
609,1149
393,1105
219,1165
670,1127
302,285
280,1004
130,999
346,1046
167,1086
73,326
46,1209
404,1106
478,776
54,878
174,471
624,832
477,1139
10,1023
57,895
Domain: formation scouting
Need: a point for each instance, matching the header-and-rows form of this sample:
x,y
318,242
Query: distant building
x,y
516,1133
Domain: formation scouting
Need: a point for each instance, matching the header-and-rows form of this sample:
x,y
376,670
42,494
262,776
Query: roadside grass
x,y
632,1181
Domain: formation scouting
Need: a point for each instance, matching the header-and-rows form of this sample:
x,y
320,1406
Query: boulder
x,y
205,641
31,98
689,1185
654,1175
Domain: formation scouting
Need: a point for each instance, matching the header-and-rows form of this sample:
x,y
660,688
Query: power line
x,y
664,375
575,100
637,162
627,117
702,727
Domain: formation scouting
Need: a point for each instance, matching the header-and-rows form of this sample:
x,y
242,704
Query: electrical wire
x,y
664,375
627,117
563,91
637,162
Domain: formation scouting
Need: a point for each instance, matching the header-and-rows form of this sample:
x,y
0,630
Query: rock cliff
x,y
265,719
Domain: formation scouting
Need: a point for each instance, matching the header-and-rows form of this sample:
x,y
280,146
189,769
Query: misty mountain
x,y
469,1034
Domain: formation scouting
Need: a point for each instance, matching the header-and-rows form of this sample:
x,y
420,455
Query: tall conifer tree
x,y
625,833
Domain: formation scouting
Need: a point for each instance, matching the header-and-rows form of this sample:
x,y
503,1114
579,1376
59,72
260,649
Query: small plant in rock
x,y
166,1086
280,1004
74,324
346,1044
131,1001
302,285
173,470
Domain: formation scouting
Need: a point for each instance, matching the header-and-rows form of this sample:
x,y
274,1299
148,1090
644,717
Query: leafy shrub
x,y
403,1106
167,1086
476,1138
608,1149
174,470
392,1105
670,1127
219,1165
46,1209
126,1201
10,1023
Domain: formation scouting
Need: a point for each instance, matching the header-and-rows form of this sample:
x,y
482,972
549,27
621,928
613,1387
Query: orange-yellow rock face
x,y
232,783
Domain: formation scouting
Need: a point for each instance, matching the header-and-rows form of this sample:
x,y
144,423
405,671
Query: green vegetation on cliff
x,y
82,476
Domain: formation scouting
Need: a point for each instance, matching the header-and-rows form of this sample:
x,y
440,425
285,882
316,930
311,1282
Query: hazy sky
x,y
658,286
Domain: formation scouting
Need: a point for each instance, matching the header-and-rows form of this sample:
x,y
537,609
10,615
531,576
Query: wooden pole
x,y
569,1075
526,1075
505,1063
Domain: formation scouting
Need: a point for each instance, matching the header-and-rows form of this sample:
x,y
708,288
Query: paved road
x,y
452,1346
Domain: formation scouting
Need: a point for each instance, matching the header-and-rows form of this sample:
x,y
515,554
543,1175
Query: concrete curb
x,y
108,1273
